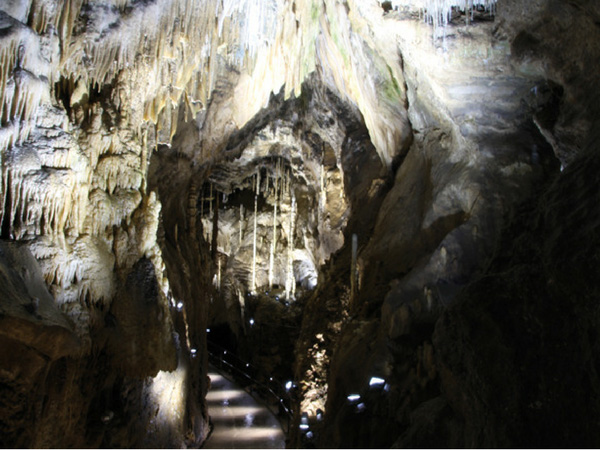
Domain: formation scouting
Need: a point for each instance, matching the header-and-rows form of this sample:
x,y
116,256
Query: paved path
x,y
239,421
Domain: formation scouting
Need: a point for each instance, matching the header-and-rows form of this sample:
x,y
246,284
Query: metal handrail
x,y
274,392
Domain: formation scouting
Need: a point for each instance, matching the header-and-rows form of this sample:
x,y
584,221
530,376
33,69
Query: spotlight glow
x,y
234,412
219,396
376,382
353,398
253,434
168,391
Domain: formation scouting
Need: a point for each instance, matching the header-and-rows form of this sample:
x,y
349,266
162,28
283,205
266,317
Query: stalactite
x,y
353,267
192,209
253,285
274,238
257,192
66,21
215,229
323,188
439,12
290,282
6,211
219,274
241,224
202,202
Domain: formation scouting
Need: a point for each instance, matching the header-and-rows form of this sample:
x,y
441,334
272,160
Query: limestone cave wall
x,y
389,203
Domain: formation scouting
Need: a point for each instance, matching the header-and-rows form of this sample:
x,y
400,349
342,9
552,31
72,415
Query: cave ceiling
x,y
163,160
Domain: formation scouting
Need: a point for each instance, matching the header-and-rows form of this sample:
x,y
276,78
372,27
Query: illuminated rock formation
x,y
173,165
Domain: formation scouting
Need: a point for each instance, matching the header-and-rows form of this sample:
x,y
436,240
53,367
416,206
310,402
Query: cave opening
x,y
273,211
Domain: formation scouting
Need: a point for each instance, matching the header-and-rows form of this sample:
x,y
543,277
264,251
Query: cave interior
x,y
389,208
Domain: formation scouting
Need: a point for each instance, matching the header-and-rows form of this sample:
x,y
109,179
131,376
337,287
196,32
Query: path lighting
x,y
353,398
376,382
304,421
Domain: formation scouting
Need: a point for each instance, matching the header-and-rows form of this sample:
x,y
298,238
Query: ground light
x,y
376,382
304,422
353,398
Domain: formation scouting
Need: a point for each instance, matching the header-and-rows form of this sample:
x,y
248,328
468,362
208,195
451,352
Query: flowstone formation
x,y
349,170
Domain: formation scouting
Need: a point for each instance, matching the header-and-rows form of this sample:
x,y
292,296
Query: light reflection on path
x,y
239,421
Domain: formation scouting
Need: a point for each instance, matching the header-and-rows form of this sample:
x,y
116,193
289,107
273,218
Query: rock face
x,y
520,330
480,373
379,178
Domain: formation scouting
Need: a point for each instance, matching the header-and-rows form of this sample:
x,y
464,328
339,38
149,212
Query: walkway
x,y
239,421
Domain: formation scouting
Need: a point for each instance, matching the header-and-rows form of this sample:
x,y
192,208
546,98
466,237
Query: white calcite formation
x,y
275,244
136,134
